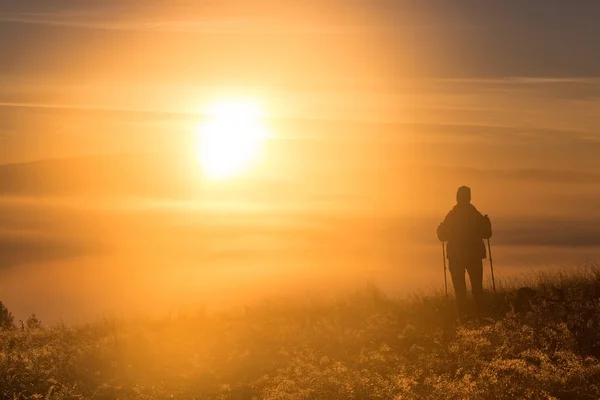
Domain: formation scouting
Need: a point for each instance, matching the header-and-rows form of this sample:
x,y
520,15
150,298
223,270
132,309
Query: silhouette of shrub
x,y
7,321
33,322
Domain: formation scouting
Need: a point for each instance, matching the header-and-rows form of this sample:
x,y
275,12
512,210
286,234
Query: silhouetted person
x,y
464,229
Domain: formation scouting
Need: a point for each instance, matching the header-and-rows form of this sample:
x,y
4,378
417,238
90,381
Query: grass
x,y
360,346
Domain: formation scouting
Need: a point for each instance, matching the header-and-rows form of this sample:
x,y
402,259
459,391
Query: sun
x,y
231,138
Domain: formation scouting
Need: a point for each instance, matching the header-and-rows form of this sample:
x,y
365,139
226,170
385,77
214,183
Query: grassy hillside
x,y
361,346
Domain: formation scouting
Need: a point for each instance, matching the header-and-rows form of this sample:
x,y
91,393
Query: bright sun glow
x,y
231,138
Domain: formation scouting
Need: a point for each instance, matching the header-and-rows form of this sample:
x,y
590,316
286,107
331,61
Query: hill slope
x,y
361,346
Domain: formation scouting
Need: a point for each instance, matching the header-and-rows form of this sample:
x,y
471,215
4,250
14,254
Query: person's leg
x,y
457,272
475,270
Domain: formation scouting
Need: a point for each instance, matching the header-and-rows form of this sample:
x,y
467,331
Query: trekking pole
x,y
445,278
491,265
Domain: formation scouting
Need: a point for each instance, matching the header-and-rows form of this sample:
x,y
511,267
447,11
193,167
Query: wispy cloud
x,y
185,16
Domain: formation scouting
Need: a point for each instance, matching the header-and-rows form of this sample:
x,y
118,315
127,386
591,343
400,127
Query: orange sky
x,y
376,110
367,100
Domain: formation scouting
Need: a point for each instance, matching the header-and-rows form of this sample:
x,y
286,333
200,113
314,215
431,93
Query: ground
x,y
363,345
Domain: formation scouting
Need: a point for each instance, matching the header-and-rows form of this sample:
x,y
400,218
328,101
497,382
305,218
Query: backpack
x,y
486,227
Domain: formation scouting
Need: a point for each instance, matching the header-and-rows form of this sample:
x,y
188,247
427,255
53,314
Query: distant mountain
x,y
175,176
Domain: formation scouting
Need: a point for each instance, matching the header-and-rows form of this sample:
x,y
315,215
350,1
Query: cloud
x,y
182,16
151,25
19,249
462,39
556,232
542,87
539,175
33,230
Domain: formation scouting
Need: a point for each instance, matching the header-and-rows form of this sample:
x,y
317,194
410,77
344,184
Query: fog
x,y
75,258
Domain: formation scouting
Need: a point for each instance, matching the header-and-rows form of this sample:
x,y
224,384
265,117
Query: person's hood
x,y
463,195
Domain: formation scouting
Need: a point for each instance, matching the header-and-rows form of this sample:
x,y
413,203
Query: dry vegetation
x,y
361,346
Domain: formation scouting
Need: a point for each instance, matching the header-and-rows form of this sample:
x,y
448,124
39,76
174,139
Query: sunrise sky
x,y
363,116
